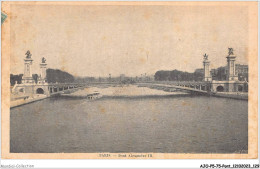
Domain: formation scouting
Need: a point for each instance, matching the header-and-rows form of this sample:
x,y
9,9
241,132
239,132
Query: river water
x,y
155,123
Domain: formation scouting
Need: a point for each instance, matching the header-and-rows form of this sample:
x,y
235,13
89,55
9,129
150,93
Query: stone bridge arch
x,y
21,90
39,90
220,88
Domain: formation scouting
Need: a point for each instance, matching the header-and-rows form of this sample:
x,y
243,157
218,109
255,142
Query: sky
x,y
131,40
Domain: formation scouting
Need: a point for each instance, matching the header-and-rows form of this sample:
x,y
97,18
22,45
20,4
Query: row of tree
x,y
176,75
52,76
56,75
18,78
219,74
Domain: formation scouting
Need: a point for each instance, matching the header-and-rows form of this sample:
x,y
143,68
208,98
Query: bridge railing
x,y
187,85
87,83
178,82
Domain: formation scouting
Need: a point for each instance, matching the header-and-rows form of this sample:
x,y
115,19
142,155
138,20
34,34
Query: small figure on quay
x,y
28,54
43,60
230,51
205,56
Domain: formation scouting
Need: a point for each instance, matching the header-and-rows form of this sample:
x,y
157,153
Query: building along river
x,y
131,119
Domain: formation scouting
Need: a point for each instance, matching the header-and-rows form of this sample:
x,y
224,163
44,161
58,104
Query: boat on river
x,y
95,95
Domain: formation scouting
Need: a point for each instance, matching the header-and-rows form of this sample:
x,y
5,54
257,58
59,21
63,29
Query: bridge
x,y
203,87
27,93
50,89
194,87
207,86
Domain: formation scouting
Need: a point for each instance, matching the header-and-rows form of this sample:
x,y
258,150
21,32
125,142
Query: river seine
x,y
153,123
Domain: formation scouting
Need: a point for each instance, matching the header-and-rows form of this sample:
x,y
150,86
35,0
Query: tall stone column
x,y
43,67
231,67
206,63
27,76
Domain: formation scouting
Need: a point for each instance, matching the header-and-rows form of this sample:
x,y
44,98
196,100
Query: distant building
x,y
122,77
242,72
241,68
221,73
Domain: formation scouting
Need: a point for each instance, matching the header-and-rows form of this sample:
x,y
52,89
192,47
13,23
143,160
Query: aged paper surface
x,y
53,52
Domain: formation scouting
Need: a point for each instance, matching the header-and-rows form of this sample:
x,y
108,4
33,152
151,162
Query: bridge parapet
x,y
210,86
180,82
191,87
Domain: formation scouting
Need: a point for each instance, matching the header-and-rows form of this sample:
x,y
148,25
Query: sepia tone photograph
x,y
129,79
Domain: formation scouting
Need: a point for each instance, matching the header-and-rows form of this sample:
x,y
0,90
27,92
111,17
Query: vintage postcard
x,y
129,80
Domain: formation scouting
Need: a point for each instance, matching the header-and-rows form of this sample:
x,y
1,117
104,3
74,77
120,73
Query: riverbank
x,y
26,99
232,95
